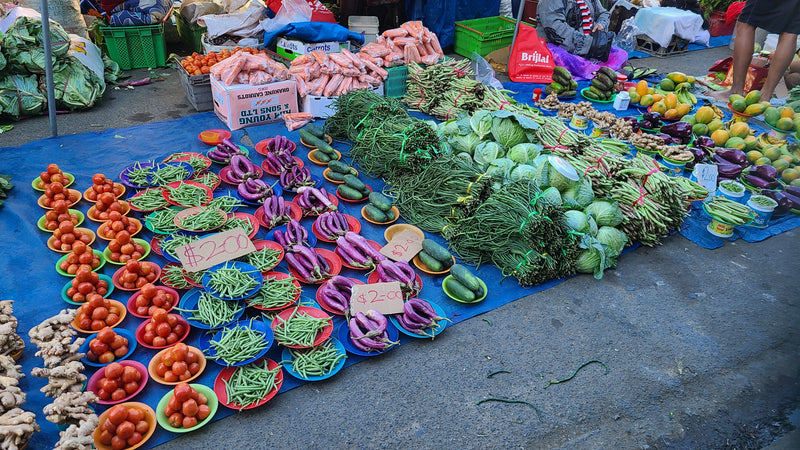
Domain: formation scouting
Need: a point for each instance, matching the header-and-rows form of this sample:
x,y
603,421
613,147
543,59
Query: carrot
x,y
376,68
402,42
302,86
317,86
375,50
353,58
320,56
435,44
341,60
395,33
305,58
333,84
298,115
421,49
345,86
429,49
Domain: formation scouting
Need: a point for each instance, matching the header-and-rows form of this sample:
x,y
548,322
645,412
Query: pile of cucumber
x,y
434,256
379,208
339,169
563,84
312,135
353,188
464,285
604,85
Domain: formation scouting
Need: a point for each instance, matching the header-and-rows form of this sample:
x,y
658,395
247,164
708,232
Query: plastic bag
x,y
626,38
191,10
292,11
484,71
244,24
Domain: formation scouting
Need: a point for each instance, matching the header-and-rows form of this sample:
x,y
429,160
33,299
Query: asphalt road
x,y
700,346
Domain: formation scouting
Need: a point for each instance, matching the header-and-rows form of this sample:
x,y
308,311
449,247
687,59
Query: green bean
x,y
196,162
212,311
263,259
234,222
169,246
209,179
163,220
275,293
250,383
204,219
227,203
149,200
576,372
195,277
729,211
230,282
165,174
188,195
238,344
172,275
316,361
299,329
137,174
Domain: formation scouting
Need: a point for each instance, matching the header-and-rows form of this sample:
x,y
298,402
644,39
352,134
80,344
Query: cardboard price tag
x,y
403,246
706,175
215,249
386,298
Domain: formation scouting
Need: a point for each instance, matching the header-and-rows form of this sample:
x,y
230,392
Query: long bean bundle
x,y
316,361
356,110
250,383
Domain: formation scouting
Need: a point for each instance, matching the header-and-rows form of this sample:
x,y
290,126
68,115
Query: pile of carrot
x,y
411,42
296,120
332,74
252,69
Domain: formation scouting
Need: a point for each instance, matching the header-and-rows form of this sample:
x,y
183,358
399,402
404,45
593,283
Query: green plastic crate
x,y
483,35
191,33
136,47
395,84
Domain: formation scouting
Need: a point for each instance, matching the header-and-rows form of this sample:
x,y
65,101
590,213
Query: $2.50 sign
x,y
386,298
214,249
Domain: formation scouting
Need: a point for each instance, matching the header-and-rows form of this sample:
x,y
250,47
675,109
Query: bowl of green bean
x,y
248,386
135,175
316,363
302,327
148,200
206,312
200,219
232,280
166,173
242,343
187,194
280,290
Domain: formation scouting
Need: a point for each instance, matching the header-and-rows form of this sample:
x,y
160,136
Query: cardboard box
x,y
291,48
320,107
242,105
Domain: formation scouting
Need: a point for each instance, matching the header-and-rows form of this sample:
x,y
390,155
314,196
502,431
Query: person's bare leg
x,y
742,55
781,58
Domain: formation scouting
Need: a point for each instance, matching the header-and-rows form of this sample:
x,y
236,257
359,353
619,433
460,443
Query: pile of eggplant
x,y
331,225
280,144
356,251
787,199
761,177
294,235
419,317
313,200
279,162
730,162
277,211
296,177
336,293
676,133
308,264
400,271
368,332
650,121
224,151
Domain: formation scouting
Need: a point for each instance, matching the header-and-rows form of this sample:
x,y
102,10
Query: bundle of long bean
x,y
449,188
238,344
397,144
316,361
250,383
356,110
444,89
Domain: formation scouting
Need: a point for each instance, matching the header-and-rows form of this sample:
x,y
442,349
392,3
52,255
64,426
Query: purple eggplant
x,y
704,141
733,156
793,190
728,170
760,182
764,171
784,203
793,199
678,129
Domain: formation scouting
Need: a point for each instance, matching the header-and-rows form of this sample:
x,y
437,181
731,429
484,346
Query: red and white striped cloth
x,y
587,24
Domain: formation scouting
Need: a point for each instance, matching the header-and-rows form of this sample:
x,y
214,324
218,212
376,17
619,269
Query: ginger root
x,y
78,437
16,428
62,379
71,407
54,337
11,396
10,342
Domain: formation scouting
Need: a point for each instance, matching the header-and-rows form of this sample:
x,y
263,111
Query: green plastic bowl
x,y
163,420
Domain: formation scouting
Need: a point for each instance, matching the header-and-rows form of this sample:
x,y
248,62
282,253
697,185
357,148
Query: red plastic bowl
x,y
92,384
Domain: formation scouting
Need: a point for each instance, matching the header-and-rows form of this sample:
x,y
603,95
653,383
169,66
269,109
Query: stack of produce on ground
x,y
332,74
603,87
249,68
411,42
16,425
563,84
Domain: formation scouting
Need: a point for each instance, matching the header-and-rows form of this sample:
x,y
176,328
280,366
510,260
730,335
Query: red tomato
x,y
108,384
174,403
183,392
131,374
170,377
180,351
117,443
189,408
113,370
98,347
118,341
105,437
103,395
135,415
203,411
161,369
160,316
117,414
163,329
131,387
179,367
189,422
191,357
118,394
106,335
176,420
120,352
194,368
142,427
135,438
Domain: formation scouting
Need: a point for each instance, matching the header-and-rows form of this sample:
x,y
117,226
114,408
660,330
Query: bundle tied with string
x,y
23,45
20,96
528,237
449,188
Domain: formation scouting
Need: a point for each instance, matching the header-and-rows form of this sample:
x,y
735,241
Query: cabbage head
x,y
551,196
525,152
464,142
481,123
526,172
500,169
508,132
577,221
578,196
593,257
486,152
613,240
605,212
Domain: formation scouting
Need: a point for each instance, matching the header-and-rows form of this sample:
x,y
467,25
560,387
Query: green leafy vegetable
x,y
508,132
576,221
613,239
605,212
487,152
524,152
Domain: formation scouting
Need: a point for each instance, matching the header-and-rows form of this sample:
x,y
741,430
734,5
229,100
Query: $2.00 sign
x,y
214,249
386,298
403,246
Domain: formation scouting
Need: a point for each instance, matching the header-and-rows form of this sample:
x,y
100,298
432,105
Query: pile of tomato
x,y
86,284
178,363
136,275
107,347
53,174
197,64
123,247
151,298
163,329
118,382
106,204
116,223
97,313
81,256
186,407
59,214
101,184
124,427
55,191
66,236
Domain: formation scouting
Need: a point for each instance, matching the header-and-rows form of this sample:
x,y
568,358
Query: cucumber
x,y
353,182
321,156
436,251
573,84
380,201
310,139
600,83
375,214
366,191
459,290
556,86
433,264
315,130
338,166
390,215
325,147
568,94
349,193
590,94
465,276
335,176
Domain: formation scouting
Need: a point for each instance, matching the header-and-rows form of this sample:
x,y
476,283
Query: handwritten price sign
x,y
386,298
215,249
706,175
403,246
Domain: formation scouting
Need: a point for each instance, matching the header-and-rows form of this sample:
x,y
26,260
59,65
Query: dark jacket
x,y
559,23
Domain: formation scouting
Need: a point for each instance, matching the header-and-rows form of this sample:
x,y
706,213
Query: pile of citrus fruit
x,y
671,98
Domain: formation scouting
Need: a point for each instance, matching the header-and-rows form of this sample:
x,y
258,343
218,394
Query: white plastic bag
x,y
191,10
484,71
243,24
291,11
